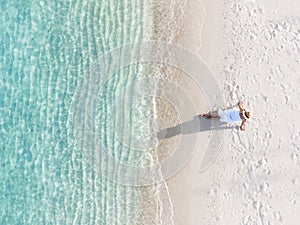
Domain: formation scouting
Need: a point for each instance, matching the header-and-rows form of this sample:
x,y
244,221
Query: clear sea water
x,y
46,48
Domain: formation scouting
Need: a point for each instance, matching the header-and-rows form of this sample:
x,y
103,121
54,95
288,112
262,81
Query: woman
x,y
230,115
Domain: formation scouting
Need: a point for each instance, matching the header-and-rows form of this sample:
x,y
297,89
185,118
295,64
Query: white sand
x,y
253,47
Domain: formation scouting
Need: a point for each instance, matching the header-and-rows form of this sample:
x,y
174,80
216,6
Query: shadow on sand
x,y
198,124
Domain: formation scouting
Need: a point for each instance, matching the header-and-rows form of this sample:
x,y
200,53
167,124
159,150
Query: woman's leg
x,y
207,115
213,114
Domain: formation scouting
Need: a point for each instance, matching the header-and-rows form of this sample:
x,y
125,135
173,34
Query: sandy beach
x,y
99,105
253,49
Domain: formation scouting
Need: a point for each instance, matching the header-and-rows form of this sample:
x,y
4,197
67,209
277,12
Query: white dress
x,y
229,116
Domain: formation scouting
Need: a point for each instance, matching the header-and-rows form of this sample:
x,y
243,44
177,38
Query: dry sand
x,y
253,48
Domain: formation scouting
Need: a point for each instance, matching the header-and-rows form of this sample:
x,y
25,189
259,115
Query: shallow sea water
x,y
46,48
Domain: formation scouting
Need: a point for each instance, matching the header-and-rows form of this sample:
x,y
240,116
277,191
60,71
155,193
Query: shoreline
x,y
188,188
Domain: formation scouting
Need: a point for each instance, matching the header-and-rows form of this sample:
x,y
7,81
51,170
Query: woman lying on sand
x,y
230,115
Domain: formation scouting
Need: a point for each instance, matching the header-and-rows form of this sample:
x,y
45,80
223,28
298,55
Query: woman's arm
x,y
240,105
242,127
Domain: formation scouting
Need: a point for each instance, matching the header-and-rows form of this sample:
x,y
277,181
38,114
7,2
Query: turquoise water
x,y
46,48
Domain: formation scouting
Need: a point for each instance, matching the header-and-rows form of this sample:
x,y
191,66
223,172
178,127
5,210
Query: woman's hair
x,y
247,114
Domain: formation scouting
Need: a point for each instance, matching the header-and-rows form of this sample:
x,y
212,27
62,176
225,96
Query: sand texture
x,y
253,48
